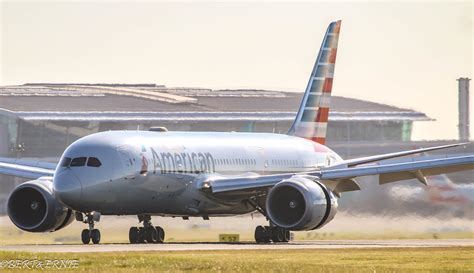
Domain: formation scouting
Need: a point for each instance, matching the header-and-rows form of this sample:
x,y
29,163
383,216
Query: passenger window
x,y
65,162
78,162
93,162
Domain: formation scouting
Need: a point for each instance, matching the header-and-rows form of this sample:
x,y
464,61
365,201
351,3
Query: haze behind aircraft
x,y
293,179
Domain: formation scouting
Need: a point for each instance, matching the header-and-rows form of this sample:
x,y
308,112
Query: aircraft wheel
x,y
151,235
161,234
282,234
95,236
85,236
286,235
141,235
262,234
133,235
276,234
268,234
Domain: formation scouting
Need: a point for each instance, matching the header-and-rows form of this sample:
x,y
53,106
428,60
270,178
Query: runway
x,y
323,244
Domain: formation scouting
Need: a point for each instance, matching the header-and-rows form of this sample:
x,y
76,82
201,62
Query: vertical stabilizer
x,y
312,118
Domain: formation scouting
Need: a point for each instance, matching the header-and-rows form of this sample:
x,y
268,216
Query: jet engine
x,y
301,203
32,207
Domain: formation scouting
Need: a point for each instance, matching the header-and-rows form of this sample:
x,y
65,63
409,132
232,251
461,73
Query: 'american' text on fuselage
x,y
166,162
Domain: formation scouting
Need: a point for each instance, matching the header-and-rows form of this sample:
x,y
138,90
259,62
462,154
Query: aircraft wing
x,y
405,170
26,168
374,158
342,179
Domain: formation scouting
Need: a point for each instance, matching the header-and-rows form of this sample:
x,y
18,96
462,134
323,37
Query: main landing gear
x,y
90,234
146,234
267,234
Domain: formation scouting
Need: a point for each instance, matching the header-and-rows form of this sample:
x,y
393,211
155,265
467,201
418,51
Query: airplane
x,y
293,179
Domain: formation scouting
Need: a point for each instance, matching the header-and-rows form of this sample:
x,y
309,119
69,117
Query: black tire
x,y
267,234
95,236
161,234
286,235
276,234
262,234
133,235
281,234
151,235
259,230
141,235
85,236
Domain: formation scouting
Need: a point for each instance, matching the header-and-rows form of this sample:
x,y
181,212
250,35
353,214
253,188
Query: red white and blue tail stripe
x,y
312,118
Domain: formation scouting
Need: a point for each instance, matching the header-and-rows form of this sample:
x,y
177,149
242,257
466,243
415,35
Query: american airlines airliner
x,y
293,179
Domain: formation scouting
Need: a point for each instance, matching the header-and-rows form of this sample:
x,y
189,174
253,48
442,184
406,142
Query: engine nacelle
x,y
300,203
32,207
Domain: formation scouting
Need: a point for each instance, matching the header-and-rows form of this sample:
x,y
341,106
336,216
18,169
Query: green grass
x,y
453,259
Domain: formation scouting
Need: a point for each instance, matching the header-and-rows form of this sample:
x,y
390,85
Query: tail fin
x,y
312,118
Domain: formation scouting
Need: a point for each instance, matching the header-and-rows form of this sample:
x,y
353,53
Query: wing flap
x,y
419,174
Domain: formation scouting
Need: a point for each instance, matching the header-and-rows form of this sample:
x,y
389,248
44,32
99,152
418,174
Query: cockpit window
x,y
65,162
93,162
78,162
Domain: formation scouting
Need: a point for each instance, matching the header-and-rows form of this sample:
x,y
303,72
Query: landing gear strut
x,y
265,234
91,233
146,234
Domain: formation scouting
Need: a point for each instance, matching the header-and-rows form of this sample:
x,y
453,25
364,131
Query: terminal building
x,y
41,120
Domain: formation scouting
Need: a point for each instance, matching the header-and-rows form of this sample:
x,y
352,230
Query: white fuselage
x,y
157,172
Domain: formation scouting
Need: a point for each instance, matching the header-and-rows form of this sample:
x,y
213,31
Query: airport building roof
x,y
125,102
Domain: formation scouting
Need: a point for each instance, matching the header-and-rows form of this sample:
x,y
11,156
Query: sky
x,y
406,54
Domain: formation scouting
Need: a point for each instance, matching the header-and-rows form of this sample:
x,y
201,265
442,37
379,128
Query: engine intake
x,y
32,207
301,203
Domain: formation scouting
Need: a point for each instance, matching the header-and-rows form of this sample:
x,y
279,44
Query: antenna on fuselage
x,y
158,129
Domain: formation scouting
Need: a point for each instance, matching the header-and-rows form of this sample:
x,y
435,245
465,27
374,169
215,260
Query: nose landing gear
x,y
91,233
146,234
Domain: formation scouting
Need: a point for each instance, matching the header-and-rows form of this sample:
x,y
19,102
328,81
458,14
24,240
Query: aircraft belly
x,y
156,195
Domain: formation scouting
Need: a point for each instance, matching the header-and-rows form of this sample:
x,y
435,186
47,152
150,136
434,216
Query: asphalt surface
x,y
326,244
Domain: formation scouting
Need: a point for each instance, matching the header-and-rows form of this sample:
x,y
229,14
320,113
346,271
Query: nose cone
x,y
68,188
